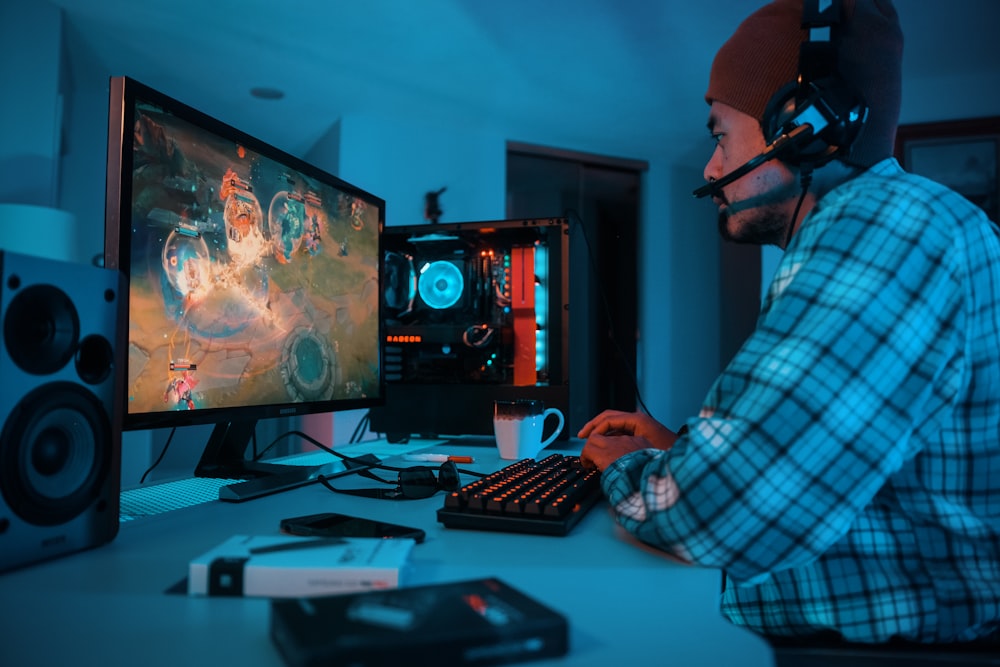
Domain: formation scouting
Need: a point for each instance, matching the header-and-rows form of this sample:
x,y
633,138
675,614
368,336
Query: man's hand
x,y
613,434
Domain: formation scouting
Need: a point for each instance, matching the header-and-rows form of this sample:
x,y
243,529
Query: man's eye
x,y
716,137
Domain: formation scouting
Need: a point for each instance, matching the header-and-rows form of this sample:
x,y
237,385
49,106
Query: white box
x,y
283,566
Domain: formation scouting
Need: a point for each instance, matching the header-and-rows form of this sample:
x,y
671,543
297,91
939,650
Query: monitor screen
x,y
253,277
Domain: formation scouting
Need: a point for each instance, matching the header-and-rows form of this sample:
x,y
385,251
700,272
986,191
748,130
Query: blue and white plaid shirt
x,y
845,467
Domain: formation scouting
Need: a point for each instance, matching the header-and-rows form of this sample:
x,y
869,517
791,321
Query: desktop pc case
x,y
472,312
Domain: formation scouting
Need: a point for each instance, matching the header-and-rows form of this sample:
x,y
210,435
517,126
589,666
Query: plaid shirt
x,y
845,467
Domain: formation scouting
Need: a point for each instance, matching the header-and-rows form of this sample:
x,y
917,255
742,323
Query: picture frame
x,y
962,154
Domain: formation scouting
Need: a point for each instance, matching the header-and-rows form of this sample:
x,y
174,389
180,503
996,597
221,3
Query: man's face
x,y
757,207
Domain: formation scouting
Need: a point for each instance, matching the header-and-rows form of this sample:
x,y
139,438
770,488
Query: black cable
x,y
360,461
805,179
257,456
356,436
253,440
360,427
159,459
607,310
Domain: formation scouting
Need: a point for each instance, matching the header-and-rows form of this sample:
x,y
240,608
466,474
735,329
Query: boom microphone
x,y
786,141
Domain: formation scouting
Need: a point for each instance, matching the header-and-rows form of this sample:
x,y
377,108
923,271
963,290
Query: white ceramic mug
x,y
518,426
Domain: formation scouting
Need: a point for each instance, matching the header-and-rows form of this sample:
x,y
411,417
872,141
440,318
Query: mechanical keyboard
x,y
545,497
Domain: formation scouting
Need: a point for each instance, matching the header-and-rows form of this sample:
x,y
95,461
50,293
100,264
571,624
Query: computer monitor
x,y
254,278
474,311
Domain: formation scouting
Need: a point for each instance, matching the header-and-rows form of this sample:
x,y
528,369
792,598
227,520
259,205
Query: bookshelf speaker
x,y
60,432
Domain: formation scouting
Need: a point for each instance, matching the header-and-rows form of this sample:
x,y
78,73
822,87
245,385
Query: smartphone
x,y
331,524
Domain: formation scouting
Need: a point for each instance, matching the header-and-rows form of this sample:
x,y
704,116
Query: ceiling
x,y
619,77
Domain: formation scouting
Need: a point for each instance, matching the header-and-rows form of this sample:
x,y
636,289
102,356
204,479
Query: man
x,y
844,470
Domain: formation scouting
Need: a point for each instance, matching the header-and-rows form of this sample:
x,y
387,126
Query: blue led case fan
x,y
440,284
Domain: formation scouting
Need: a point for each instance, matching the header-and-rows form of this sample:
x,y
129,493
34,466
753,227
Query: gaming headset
x,y
817,117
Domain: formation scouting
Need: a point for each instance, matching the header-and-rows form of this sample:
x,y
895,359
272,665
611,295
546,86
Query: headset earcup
x,y
780,109
833,100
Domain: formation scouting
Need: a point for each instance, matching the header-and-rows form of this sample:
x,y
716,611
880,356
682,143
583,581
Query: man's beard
x,y
763,225
764,217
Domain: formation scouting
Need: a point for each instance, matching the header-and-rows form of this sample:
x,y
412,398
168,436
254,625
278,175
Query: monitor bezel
x,y
124,94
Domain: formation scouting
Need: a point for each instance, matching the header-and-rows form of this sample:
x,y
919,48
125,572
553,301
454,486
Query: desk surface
x,y
110,605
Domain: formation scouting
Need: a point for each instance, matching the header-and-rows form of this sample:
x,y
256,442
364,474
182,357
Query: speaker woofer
x,y
55,453
41,329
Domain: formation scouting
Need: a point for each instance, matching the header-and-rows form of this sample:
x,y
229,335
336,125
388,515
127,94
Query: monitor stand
x,y
224,458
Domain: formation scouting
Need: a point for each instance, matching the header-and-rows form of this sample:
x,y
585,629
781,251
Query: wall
x,y
402,161
31,114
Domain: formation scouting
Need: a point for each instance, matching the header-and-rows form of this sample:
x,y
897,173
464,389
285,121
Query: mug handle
x,y
555,434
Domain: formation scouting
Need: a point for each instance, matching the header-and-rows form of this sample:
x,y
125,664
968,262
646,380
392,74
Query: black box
x,y
475,622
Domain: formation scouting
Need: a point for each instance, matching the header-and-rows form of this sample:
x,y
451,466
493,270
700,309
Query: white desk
x,y
626,604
